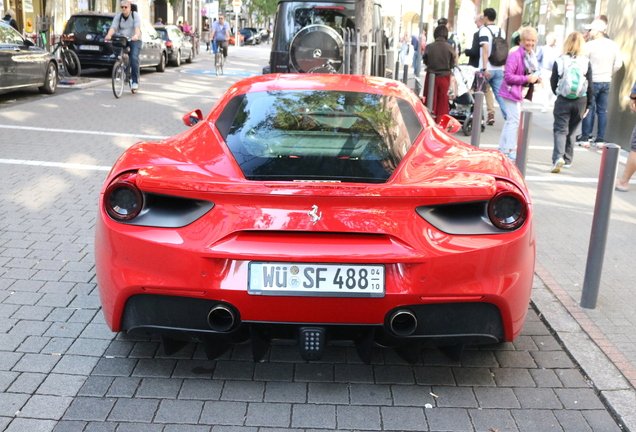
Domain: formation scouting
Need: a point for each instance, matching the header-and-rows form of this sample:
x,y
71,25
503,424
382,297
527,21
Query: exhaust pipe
x,y
403,322
221,318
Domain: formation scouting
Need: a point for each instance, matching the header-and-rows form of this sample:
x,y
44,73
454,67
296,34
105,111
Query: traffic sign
x,y
237,3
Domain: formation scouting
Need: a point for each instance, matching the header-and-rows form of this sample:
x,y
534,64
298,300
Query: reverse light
x,y
123,201
169,44
508,209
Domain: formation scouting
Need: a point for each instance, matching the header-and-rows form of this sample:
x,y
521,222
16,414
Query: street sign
x,y
237,3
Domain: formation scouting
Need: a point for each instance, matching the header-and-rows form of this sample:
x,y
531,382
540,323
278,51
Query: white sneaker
x,y
558,165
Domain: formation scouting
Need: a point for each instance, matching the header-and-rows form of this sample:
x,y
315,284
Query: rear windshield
x,y
89,24
318,135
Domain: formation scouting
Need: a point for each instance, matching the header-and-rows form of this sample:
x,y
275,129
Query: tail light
x,y
123,200
68,37
508,209
169,44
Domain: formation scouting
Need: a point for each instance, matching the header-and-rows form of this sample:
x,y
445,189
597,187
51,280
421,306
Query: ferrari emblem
x,y
314,215
317,53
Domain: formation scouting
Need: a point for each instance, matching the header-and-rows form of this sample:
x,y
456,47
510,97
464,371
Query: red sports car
x,y
315,208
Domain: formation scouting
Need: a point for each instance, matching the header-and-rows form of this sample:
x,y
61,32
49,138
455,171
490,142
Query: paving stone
x,y
434,375
36,363
411,395
139,427
600,420
31,425
155,368
294,392
579,399
477,358
268,414
55,299
162,388
545,377
76,365
33,344
114,366
367,394
10,403
57,345
70,426
572,421
496,397
223,413
354,373
133,410
314,372
492,420
118,348
83,315
454,397
201,389
475,376
27,382
515,359
89,409
536,420
234,370
193,369
65,330
393,374
358,417
551,359
46,407
61,385
32,312
247,391
97,331
513,378
89,347
571,378
275,371
314,416
179,411
448,419
329,393
6,379
95,386
123,387
29,328
186,428
59,315
403,418
537,398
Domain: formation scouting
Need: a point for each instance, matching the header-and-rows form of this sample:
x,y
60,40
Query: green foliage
x,y
264,8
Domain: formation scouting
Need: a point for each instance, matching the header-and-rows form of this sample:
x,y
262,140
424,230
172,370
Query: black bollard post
x,y
397,70
600,225
406,74
477,115
430,91
523,136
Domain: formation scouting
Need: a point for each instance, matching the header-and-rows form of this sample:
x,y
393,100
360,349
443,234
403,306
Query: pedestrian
x,y
572,82
159,21
494,74
206,34
474,53
453,40
440,58
546,55
622,184
521,74
404,48
605,58
186,28
9,18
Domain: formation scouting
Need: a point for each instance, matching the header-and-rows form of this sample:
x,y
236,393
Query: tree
x,y
364,24
263,9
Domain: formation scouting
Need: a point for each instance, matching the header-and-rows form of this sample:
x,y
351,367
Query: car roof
x,y
93,14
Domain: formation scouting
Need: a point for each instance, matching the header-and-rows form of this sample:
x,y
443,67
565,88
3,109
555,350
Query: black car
x,y
309,35
177,43
86,32
249,37
24,65
257,34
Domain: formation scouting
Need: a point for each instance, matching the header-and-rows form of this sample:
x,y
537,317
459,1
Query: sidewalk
x,y
602,341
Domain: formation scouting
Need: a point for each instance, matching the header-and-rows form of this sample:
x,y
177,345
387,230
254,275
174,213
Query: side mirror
x,y
449,123
193,117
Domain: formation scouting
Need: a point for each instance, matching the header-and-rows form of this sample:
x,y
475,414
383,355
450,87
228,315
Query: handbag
x,y
480,82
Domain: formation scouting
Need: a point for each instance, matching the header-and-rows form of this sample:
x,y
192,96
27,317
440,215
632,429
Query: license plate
x,y
89,47
308,279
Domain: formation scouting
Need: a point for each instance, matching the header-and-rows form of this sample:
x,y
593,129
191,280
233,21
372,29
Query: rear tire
x,y
189,59
161,67
50,79
467,127
71,62
177,60
119,79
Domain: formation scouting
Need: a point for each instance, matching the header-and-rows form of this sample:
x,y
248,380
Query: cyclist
x,y
128,23
221,34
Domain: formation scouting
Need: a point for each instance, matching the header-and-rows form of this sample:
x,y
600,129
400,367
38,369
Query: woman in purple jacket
x,y
521,68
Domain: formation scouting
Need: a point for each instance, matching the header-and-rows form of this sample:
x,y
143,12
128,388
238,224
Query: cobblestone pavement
x,y
61,369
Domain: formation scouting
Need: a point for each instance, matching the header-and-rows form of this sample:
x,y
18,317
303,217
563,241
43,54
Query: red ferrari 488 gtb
x,y
315,208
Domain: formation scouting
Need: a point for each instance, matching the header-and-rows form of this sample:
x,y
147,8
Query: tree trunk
x,y
364,23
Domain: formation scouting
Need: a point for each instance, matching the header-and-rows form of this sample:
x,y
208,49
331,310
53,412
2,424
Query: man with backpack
x,y
605,57
128,23
494,52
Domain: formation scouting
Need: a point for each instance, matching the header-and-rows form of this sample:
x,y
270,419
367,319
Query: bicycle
x,y
70,61
219,58
122,72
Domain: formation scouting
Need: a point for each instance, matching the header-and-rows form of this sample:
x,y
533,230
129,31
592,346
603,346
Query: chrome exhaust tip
x,y
403,322
221,318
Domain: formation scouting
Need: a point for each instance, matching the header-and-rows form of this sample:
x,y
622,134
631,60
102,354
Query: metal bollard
x,y
430,91
406,74
397,71
478,109
417,87
523,136
600,225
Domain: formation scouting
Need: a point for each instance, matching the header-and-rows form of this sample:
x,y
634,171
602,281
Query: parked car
x,y
249,37
315,208
233,39
256,34
24,65
86,32
308,35
177,43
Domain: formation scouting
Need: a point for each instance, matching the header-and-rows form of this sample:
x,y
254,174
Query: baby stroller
x,y
462,104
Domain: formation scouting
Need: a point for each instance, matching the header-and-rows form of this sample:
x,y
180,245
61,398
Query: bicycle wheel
x,y
71,62
217,63
119,79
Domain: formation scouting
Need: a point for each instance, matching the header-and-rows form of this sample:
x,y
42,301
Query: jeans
x,y
567,117
495,81
508,139
598,107
135,49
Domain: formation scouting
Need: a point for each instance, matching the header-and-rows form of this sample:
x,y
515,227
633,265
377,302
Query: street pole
x,y
418,60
